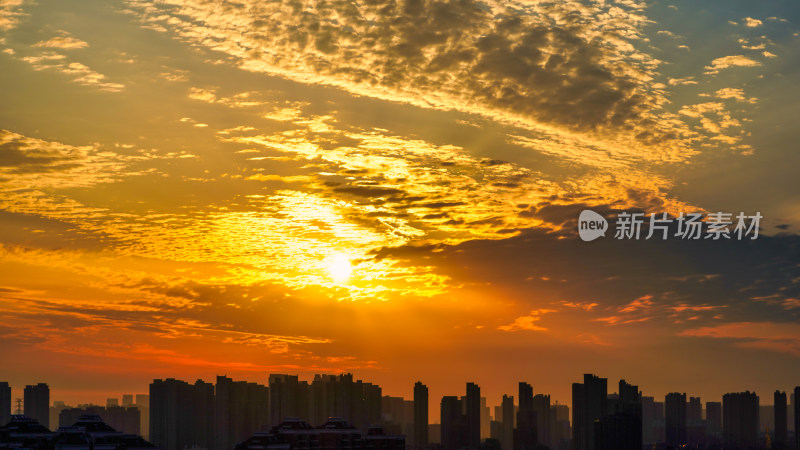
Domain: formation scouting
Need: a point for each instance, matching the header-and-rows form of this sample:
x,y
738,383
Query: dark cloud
x,y
19,157
731,280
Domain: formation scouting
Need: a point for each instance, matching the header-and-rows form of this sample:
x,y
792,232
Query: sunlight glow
x,y
339,267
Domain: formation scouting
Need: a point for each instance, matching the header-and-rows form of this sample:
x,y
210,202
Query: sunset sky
x,y
391,188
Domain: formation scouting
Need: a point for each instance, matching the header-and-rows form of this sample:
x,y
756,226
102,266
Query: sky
x,y
392,188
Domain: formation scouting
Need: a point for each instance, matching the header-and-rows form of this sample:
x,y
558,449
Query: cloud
x,y
735,94
751,22
731,61
79,72
62,42
240,100
778,337
11,14
528,322
556,68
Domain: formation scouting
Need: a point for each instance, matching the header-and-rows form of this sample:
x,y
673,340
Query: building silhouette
x,y
589,403
780,440
695,426
560,430
126,420
621,428
796,411
739,420
37,403
473,412
239,410
507,427
420,414
356,401
541,410
288,397
5,403
88,432
650,415
334,434
142,402
397,416
525,433
179,414
675,419
454,427
237,414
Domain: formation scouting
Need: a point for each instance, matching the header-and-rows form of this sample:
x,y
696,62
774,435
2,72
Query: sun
x,y
339,267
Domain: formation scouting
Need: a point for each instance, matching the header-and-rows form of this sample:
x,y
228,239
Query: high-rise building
x,y
780,440
796,410
397,416
621,429
507,406
289,397
420,414
695,427
239,410
525,434
714,423
694,410
5,403
541,409
559,426
454,428
589,403
486,418
37,403
790,413
127,400
181,414
355,401
739,419
649,417
473,409
143,403
675,419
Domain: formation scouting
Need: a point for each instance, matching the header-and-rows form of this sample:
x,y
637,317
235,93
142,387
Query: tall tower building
x,y
5,403
181,414
420,414
507,441
289,397
143,403
541,410
473,408
675,419
796,410
525,435
694,410
780,441
454,429
240,409
740,419
37,403
589,403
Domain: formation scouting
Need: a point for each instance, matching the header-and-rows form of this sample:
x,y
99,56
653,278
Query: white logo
x,y
591,225
717,226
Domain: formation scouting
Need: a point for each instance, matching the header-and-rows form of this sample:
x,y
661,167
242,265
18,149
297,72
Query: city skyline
x,y
433,406
192,188
176,414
